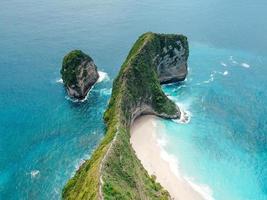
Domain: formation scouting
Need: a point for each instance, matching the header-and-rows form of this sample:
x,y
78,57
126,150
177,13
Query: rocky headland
x,y
114,171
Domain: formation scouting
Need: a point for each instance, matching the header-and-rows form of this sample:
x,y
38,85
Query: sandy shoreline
x,y
145,144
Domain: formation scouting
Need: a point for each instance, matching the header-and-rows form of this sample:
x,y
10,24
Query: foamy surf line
x,y
59,81
186,115
242,64
204,190
150,149
212,76
103,76
246,65
78,100
34,173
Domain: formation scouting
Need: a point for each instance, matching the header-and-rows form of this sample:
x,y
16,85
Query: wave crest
x,y
245,65
34,173
103,76
59,81
204,190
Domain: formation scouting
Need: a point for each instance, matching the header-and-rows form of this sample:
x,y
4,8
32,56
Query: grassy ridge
x,y
136,85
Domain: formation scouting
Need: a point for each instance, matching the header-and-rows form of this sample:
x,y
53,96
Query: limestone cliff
x,y
172,61
114,172
79,73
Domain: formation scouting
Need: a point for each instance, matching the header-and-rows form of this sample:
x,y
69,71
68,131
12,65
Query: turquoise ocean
x,y
44,136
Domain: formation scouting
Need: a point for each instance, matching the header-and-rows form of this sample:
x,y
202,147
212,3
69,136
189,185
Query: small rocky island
x,y
79,74
114,171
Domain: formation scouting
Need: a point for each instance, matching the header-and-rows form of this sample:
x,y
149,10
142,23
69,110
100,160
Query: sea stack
x,y
79,74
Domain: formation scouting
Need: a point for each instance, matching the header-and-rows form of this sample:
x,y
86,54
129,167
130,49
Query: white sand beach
x,y
148,150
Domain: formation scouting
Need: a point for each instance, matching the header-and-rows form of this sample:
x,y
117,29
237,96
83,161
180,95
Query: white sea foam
x,y
181,86
78,100
246,65
185,113
34,173
171,98
204,190
172,161
161,139
223,64
209,80
233,61
212,77
80,162
72,99
59,81
184,118
105,91
225,73
103,76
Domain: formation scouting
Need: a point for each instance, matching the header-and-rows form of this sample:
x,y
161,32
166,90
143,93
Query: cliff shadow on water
x,y
114,171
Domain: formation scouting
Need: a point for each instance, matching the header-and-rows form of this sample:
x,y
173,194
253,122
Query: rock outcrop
x,y
79,74
114,171
172,61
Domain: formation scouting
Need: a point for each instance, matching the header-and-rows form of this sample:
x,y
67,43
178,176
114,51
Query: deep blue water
x,y
44,136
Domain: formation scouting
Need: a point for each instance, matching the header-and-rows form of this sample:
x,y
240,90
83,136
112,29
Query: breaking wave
x,y
34,173
212,77
204,190
59,81
224,64
231,59
185,113
245,65
103,76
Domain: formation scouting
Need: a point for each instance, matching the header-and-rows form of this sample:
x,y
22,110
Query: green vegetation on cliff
x,y
114,171
70,63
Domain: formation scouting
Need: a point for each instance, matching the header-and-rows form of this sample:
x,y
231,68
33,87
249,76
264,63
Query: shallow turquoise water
x,y
44,136
223,147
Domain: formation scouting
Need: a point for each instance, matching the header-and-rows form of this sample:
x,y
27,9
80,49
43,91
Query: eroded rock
x,y
79,74
172,62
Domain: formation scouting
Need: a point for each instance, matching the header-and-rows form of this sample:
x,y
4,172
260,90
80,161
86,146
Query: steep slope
x,y
114,172
79,73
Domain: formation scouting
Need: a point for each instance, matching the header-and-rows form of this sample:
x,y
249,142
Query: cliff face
x,y
79,73
114,172
172,62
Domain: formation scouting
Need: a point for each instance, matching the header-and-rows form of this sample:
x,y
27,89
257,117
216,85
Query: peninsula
x,y
114,171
